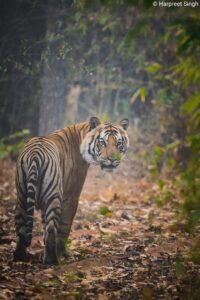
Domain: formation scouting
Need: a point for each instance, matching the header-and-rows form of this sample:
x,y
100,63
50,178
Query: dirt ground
x,y
122,244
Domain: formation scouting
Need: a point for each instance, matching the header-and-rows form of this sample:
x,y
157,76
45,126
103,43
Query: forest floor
x,y
123,245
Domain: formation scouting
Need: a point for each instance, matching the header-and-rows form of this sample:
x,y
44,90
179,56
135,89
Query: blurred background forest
x,y
62,61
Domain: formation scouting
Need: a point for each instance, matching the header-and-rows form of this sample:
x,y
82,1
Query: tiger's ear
x,y
94,122
124,123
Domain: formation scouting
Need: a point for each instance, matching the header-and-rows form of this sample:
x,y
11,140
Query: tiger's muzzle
x,y
109,165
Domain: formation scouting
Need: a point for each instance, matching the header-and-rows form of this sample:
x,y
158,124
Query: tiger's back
x,y
73,166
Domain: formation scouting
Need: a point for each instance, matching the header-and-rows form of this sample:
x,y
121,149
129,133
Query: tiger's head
x,y
105,144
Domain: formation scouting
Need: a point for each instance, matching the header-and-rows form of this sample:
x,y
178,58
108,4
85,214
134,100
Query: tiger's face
x,y
105,144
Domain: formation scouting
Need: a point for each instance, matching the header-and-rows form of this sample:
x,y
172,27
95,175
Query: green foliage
x,y
118,156
159,152
192,104
190,185
153,67
181,76
105,211
165,196
104,118
49,283
141,92
194,253
13,144
71,276
67,243
178,265
187,182
157,160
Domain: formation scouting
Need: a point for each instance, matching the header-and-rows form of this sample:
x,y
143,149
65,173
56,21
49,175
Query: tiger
x,y
50,173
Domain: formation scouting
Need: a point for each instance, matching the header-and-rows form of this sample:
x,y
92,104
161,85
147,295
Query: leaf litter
x,y
121,245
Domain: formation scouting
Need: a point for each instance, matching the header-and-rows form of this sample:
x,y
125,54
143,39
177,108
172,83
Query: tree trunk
x,y
53,79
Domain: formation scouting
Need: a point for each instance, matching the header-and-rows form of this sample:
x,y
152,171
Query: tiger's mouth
x,y
108,168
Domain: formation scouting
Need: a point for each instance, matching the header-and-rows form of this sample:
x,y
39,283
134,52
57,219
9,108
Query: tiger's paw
x,y
50,260
20,254
61,250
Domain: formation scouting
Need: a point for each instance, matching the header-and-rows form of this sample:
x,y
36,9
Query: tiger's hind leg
x,y
20,253
51,220
24,216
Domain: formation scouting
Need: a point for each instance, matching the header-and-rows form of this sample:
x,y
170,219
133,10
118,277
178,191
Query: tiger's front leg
x,y
69,208
51,221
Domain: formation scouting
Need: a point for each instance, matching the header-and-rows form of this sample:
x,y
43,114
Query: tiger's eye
x,y
120,146
102,142
119,143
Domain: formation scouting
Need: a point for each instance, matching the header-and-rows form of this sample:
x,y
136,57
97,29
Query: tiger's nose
x,y
111,159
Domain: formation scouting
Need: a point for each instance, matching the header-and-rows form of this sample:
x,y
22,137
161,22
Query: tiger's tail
x,y
26,184
32,182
